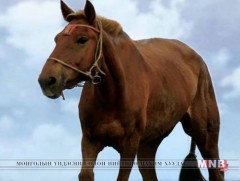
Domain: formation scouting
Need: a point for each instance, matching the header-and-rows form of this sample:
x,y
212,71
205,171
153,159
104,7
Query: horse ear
x,y
89,12
65,10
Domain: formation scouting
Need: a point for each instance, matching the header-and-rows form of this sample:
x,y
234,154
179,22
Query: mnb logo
x,y
221,164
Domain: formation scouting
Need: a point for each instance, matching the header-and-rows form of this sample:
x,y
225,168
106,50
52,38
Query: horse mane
x,y
110,26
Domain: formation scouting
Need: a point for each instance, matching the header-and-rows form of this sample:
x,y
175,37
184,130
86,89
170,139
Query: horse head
x,y
76,54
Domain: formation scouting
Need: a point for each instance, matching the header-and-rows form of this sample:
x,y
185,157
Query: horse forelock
x,y
110,26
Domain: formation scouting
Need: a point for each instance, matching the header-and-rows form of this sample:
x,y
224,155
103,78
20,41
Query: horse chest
x,y
106,131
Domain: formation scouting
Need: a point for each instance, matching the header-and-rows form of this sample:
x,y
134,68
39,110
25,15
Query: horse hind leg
x,y
203,125
205,132
146,160
205,135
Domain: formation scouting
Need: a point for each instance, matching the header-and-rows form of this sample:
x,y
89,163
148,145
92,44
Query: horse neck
x,y
113,89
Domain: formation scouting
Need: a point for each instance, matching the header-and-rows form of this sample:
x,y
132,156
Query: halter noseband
x,y
93,75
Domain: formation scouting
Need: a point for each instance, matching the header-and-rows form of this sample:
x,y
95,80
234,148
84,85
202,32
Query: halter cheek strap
x,y
93,75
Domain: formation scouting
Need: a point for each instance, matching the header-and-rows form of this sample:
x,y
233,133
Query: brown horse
x,y
135,92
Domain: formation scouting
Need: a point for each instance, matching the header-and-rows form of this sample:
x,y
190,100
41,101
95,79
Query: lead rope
x,y
63,97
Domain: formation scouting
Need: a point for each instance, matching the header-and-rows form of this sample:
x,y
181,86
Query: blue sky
x,y
35,127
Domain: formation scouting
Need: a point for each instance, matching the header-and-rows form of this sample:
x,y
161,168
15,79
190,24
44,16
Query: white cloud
x,y
159,21
55,141
70,105
221,58
6,124
223,109
2,53
51,141
232,81
31,27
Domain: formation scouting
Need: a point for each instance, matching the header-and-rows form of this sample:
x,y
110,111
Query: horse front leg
x,y
127,154
90,150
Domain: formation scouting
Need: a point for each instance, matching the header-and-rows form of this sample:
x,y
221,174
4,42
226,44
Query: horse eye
x,y
82,40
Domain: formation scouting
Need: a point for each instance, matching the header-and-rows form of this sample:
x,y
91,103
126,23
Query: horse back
x,y
171,64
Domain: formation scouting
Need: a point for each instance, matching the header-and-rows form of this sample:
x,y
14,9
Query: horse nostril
x,y
47,82
51,81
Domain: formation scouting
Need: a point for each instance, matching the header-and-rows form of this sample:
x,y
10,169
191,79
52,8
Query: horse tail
x,y
190,169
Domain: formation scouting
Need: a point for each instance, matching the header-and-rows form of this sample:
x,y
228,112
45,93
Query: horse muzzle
x,y
51,86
